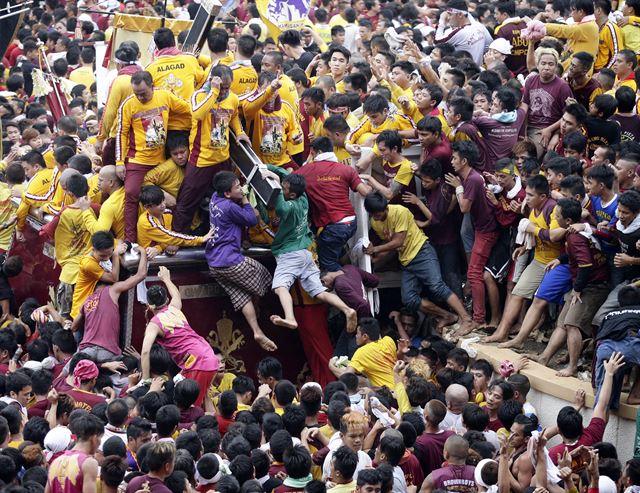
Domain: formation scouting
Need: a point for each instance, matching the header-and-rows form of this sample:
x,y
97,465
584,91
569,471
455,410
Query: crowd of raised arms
x,y
517,223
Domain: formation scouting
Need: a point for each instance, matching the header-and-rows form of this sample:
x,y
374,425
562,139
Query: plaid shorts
x,y
242,281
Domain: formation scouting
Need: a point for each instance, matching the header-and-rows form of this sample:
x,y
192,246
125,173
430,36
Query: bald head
x,y
456,449
109,180
456,396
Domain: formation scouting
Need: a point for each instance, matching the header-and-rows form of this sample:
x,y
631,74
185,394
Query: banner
x,y
281,15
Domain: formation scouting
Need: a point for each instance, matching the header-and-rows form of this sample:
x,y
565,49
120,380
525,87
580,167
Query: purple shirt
x,y
443,228
499,138
482,212
546,101
228,218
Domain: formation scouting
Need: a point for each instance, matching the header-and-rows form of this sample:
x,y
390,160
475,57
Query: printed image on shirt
x,y
272,135
541,101
172,84
155,134
220,128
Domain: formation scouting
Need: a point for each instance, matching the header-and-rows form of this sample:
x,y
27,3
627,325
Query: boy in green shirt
x,y
290,248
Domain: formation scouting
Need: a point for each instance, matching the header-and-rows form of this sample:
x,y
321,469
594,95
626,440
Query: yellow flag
x,y
280,15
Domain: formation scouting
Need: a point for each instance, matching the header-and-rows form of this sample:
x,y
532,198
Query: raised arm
x,y
120,287
150,335
174,293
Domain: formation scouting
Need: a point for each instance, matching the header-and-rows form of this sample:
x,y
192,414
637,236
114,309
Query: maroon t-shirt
x,y
546,101
441,152
581,251
474,135
350,288
629,127
429,449
512,32
154,485
460,479
583,94
38,408
328,185
590,435
482,212
189,416
411,468
443,228
287,489
223,424
499,138
85,400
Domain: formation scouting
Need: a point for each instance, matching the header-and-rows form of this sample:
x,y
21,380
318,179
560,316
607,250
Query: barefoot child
x,y
293,259
241,277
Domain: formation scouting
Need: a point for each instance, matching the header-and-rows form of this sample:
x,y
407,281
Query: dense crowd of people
x,y
518,223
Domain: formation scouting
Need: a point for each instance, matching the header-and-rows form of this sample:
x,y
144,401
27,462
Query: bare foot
x,y
264,342
539,359
496,337
283,322
633,400
446,322
513,343
567,372
466,327
352,321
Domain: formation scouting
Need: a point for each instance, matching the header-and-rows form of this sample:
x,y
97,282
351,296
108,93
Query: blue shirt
x,y
605,213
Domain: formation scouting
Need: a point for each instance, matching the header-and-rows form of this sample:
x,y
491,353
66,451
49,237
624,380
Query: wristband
x,y
459,189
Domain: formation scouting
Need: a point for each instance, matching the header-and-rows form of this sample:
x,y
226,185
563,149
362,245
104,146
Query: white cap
x,y
501,45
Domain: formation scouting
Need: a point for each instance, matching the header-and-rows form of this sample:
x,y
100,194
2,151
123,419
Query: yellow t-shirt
x,y
343,156
399,219
148,123
393,122
545,250
83,75
7,210
178,74
158,233
375,361
72,241
39,191
89,274
400,172
95,195
245,77
168,176
111,216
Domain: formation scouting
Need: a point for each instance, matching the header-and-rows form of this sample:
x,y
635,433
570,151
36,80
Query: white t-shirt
x,y
453,422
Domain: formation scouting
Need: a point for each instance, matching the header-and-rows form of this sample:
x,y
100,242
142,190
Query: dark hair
x,y
336,123
368,476
570,208
224,182
345,461
626,99
508,411
227,404
271,423
293,418
142,76
463,107
602,174
393,448
357,80
242,468
574,184
117,412
391,139
570,423
605,104
460,356
114,446
466,150
375,202
474,417
375,104
150,403
370,327
270,367
186,393
190,441
247,45
297,462
322,144
35,430
539,184
228,484
17,381
279,442
217,40
430,124
167,419
151,195
484,366
290,37
176,481
86,426
629,296
261,462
